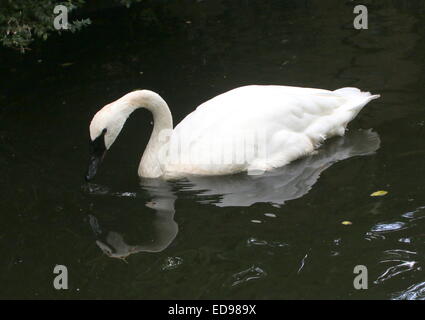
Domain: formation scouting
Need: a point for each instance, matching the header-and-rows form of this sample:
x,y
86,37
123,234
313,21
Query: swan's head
x,y
108,122
104,129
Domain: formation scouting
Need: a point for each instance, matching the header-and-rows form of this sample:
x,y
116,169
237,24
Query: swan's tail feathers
x,y
374,96
355,100
354,93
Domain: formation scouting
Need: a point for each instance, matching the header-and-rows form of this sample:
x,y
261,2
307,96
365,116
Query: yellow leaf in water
x,y
346,223
379,193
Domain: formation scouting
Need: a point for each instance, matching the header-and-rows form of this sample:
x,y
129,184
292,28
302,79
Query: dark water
x,y
279,236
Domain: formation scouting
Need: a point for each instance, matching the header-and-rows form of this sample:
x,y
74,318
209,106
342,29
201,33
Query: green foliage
x,y
23,21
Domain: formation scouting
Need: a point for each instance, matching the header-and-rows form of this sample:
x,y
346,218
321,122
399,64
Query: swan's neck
x,y
150,165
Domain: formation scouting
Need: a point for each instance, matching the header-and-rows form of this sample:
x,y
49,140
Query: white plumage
x,y
274,125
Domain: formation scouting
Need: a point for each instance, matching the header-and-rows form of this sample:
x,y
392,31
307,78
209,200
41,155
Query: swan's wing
x,y
272,107
291,120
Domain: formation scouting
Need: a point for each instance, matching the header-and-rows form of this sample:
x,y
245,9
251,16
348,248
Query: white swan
x,y
253,128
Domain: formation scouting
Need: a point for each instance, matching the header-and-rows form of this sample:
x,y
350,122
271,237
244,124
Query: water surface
x,y
279,236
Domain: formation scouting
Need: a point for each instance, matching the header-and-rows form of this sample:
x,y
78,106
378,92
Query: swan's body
x,y
272,125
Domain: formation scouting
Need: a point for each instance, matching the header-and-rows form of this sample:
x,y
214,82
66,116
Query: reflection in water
x,y
287,183
165,228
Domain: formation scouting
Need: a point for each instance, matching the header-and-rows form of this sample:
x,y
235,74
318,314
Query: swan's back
x,y
292,121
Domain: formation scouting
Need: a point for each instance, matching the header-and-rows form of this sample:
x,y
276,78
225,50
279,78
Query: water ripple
x,y
95,189
399,253
401,267
415,292
172,263
379,230
389,227
401,261
257,242
417,214
125,194
249,274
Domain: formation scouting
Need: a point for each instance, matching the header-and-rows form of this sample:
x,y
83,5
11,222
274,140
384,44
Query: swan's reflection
x,y
165,228
287,183
290,182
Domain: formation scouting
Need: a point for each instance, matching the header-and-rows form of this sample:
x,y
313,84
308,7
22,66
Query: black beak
x,y
97,153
